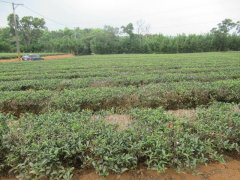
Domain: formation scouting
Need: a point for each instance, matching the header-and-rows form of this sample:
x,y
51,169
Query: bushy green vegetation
x,y
62,106
120,82
55,143
34,37
4,129
221,122
169,96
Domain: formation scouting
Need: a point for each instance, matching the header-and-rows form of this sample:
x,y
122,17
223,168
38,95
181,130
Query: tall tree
x,y
6,42
128,29
221,32
30,30
10,19
35,37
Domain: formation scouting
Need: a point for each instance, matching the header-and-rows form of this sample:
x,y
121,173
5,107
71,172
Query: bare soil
x,y
123,121
191,113
181,113
45,58
58,56
236,108
213,171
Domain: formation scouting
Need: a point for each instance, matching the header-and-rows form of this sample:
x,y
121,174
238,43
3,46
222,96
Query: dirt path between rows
x,y
45,58
213,171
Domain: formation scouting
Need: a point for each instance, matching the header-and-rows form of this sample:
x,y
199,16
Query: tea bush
x,y
63,135
3,131
55,143
48,145
169,96
170,142
221,123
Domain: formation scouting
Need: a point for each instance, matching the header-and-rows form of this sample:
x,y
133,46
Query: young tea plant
x,y
220,122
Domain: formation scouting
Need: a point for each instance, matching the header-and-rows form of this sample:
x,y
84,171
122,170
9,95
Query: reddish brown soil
x,y
9,60
45,58
213,171
58,56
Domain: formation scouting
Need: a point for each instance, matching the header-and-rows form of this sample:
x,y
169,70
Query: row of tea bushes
x,y
55,143
169,96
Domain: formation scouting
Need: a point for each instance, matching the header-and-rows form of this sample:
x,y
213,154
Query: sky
x,y
169,17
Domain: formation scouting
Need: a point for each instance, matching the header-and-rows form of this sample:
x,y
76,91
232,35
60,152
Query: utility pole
x,y
14,6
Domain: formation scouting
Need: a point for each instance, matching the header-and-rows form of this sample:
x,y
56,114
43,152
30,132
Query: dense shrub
x,y
220,123
3,151
169,142
54,144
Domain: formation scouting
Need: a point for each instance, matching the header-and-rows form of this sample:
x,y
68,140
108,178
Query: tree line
x,y
35,37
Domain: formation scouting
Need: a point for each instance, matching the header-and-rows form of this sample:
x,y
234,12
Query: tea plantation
x,y
54,115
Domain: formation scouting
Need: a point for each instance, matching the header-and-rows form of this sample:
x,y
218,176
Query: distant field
x,y
14,55
113,113
123,81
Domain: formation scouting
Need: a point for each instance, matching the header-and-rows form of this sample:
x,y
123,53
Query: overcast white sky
x,y
164,16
